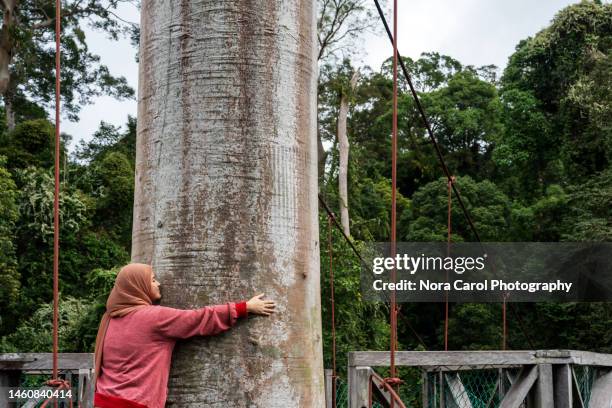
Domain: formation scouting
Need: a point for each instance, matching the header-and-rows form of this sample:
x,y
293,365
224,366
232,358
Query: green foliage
x,y
35,334
31,143
36,206
28,39
488,206
360,325
9,275
566,67
466,115
525,153
474,326
109,138
85,243
372,202
113,183
577,326
589,214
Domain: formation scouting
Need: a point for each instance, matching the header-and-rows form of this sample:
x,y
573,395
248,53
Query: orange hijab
x,y
132,291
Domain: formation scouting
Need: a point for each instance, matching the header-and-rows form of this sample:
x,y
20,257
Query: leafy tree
x,y
465,116
31,143
428,73
340,23
9,275
566,67
114,193
487,205
589,214
82,249
27,54
105,171
525,154
35,335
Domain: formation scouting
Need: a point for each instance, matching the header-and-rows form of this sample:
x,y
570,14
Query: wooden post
x,y
8,378
425,389
328,388
544,388
358,379
563,386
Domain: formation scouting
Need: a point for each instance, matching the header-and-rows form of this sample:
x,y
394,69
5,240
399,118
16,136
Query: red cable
x,y
393,191
448,243
393,199
56,196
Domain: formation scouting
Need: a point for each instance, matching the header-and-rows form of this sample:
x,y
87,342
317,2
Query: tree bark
x,y
9,112
343,150
321,159
6,56
226,192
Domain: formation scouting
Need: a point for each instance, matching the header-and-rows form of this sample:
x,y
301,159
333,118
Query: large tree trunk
x,y
343,150
226,192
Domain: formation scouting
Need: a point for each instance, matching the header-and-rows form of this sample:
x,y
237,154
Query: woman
x,y
135,339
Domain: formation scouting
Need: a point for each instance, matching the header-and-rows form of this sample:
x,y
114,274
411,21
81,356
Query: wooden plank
x,y
457,390
441,358
453,359
591,359
601,392
544,394
358,379
521,387
562,377
44,361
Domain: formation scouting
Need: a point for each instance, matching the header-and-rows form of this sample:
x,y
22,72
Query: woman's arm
x,y
209,320
206,321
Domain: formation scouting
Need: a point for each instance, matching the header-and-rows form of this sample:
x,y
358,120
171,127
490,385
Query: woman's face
x,y
155,288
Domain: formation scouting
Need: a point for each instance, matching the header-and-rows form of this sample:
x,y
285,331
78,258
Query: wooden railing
x,y
72,367
516,379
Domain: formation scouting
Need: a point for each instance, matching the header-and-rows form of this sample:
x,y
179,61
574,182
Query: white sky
x,y
475,32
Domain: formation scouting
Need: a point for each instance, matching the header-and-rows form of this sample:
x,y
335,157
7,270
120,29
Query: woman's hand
x,y
261,307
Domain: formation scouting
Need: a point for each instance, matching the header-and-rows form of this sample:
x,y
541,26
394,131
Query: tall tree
x,y
339,25
27,54
226,191
343,150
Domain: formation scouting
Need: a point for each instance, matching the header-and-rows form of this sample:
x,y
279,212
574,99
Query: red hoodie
x,y
138,348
